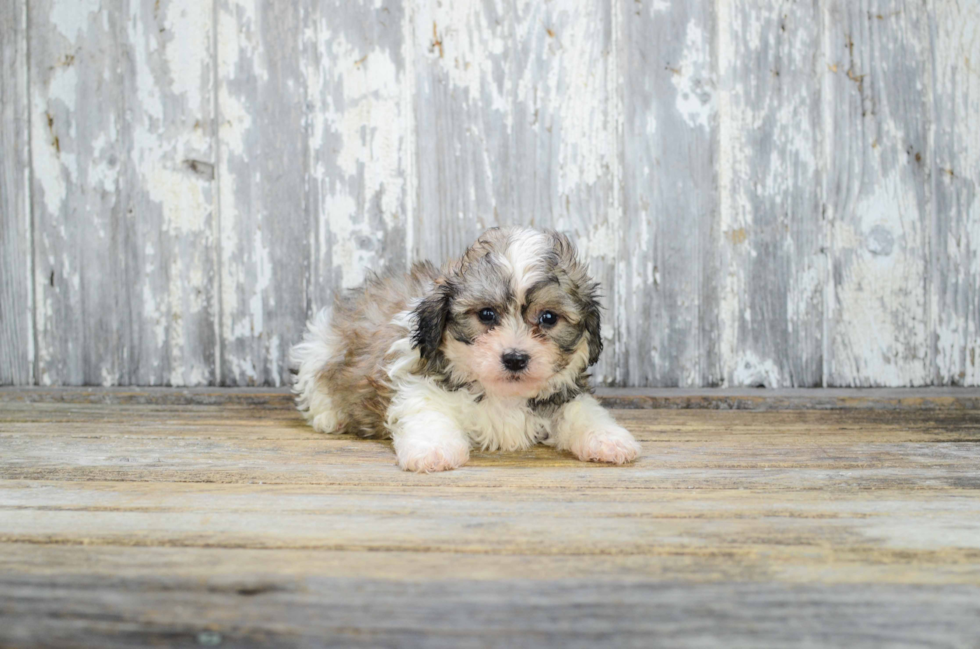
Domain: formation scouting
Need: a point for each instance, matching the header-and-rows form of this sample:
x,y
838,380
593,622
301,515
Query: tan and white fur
x,y
489,352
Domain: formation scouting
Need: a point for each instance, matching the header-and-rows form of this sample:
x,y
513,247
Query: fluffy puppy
x,y
491,352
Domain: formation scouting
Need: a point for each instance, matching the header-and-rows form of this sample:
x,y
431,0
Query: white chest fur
x,y
504,424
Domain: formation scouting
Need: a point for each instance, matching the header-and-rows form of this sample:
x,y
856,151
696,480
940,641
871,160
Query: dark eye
x,y
487,315
548,319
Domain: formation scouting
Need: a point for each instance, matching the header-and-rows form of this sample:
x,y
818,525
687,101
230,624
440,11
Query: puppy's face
x,y
515,312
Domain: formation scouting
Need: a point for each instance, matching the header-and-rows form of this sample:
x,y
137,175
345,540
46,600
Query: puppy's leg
x,y
587,429
425,435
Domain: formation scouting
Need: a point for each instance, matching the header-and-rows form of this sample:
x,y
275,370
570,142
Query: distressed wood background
x,y
772,193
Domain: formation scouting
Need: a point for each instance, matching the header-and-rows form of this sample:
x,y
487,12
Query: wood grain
x,y
335,612
877,191
955,236
905,399
670,192
16,307
265,217
770,228
142,523
122,144
360,142
463,91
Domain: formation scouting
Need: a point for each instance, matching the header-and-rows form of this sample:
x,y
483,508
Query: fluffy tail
x,y
309,360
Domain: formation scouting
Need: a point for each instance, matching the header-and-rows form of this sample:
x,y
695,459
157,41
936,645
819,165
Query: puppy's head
x,y
517,314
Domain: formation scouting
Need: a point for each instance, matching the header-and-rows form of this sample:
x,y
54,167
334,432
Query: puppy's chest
x,y
504,424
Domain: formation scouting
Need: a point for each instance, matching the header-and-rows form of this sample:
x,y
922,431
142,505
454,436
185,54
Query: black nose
x,y
515,361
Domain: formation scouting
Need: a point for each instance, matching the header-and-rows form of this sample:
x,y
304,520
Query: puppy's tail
x,y
309,359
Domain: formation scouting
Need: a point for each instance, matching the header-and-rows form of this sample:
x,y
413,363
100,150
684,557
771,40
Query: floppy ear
x,y
431,317
592,322
586,290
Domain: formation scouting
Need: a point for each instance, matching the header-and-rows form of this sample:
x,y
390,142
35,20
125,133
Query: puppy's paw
x,y
326,422
614,445
428,456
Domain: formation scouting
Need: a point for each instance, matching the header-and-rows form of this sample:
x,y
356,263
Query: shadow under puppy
x,y
491,351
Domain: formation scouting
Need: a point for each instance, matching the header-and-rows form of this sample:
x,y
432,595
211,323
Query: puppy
x,y
489,352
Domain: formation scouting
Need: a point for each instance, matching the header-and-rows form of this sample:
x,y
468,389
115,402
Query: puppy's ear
x,y
592,321
585,289
431,316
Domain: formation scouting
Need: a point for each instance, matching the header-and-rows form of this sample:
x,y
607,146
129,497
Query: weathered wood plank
x,y
879,94
463,91
265,570
122,153
946,398
778,451
16,307
955,264
266,220
336,612
354,463
669,184
316,172
878,526
358,81
258,421
770,231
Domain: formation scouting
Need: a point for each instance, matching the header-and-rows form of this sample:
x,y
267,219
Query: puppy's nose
x,y
515,361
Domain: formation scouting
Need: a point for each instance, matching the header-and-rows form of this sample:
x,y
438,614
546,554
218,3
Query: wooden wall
x,y
772,193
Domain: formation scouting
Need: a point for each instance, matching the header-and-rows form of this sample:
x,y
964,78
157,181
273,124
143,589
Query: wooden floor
x,y
131,518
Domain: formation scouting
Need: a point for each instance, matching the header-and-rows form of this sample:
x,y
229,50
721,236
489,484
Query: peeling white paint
x,y
71,17
189,26
458,37
560,66
750,370
877,339
694,79
44,159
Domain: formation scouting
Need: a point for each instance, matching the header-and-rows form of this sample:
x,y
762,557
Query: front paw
x,y
427,456
613,445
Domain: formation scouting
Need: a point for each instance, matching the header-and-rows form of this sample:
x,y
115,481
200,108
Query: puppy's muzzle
x,y
515,361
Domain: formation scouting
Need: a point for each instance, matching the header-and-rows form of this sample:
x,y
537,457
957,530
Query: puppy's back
x,y
341,380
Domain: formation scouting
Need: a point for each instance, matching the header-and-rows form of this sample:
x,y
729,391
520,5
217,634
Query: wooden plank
x,y
779,451
316,171
770,232
248,421
122,175
464,114
334,612
358,78
955,265
628,398
878,152
267,569
669,156
352,463
885,524
16,307
266,218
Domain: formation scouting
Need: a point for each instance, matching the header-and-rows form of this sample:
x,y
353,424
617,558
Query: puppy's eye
x,y
548,319
487,315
